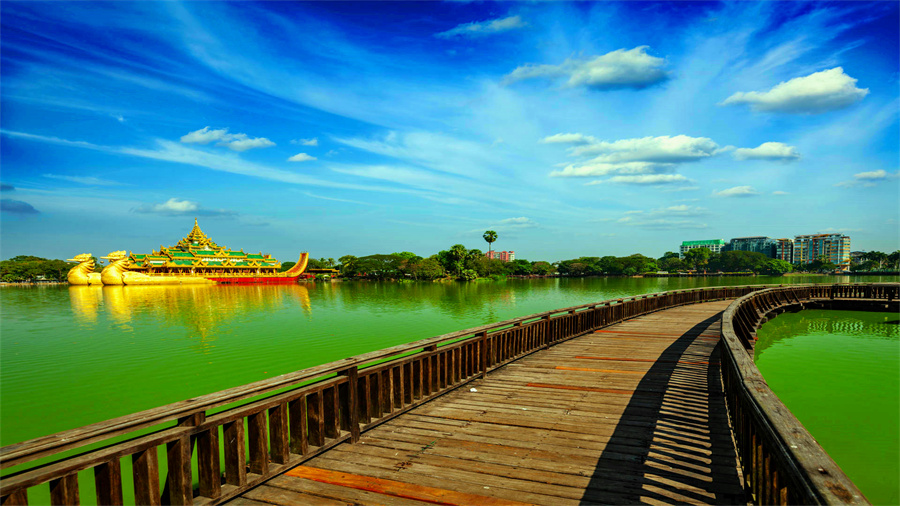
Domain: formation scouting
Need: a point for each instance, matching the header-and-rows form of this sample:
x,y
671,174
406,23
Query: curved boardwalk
x,y
632,413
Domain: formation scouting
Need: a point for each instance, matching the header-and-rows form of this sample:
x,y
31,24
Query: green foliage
x,y
777,267
697,258
672,264
286,266
490,236
542,268
24,268
312,263
468,274
739,261
521,267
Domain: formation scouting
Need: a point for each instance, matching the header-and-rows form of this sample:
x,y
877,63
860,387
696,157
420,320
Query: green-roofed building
x,y
198,255
713,245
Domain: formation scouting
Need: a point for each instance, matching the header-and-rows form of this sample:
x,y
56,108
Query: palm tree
x,y
490,236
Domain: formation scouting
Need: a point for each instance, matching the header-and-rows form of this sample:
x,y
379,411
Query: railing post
x,y
484,355
179,486
350,404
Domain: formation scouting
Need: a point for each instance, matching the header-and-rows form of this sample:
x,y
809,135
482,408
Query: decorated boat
x,y
195,259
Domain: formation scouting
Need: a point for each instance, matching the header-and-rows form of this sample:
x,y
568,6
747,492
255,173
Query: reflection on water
x,y
198,308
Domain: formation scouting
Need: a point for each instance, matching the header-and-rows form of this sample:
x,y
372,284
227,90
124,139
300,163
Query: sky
x,y
571,129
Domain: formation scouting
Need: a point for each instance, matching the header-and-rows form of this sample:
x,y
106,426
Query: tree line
x,y
27,268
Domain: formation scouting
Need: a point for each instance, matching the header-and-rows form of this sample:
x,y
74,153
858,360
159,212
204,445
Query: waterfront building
x,y
834,248
503,256
713,245
757,244
783,249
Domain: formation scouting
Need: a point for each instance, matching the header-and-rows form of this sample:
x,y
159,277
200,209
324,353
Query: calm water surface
x,y
839,373
70,356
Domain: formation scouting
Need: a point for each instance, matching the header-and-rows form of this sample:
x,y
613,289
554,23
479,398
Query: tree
x,y
348,265
697,257
541,268
458,254
777,267
286,266
490,236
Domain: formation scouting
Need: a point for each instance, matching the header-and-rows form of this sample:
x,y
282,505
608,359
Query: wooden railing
x,y
291,418
782,463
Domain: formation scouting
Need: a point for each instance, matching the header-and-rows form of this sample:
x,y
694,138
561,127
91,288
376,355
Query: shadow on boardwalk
x,y
673,443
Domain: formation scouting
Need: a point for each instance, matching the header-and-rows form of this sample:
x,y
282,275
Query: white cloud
x,y
768,151
648,179
737,191
683,189
816,93
306,142
520,222
176,207
623,68
119,118
301,157
482,28
595,169
660,223
87,180
779,192
869,179
662,149
569,139
235,142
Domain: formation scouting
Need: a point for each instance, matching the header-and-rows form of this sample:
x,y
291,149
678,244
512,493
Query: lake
x,y
70,356
839,373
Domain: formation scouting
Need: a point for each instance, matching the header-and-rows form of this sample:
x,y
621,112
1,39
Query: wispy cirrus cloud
x,y
178,207
306,142
483,28
235,142
816,93
869,179
6,187
737,191
646,179
85,180
774,151
620,69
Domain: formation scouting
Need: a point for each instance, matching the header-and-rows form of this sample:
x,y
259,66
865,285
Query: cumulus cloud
x,y
177,207
6,187
17,207
816,93
301,157
869,179
665,217
86,180
306,142
620,69
482,28
236,142
596,169
776,151
648,179
662,149
737,191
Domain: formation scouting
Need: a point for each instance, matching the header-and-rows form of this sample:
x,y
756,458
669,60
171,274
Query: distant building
x,y
783,249
713,245
503,256
834,248
762,245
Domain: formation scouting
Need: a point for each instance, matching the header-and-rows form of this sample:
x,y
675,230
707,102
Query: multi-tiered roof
x,y
197,252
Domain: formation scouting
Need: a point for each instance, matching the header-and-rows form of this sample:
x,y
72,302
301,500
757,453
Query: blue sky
x,y
357,128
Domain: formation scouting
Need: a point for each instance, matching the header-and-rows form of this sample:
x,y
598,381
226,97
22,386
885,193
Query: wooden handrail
x,y
782,462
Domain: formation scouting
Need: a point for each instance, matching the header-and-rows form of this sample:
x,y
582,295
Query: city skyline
x,y
357,128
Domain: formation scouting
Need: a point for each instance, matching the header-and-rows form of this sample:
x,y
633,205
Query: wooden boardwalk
x,y
632,413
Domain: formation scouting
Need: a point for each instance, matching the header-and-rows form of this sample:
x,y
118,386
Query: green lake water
x,y
71,356
839,373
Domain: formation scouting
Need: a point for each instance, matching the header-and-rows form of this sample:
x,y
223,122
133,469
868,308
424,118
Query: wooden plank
x,y
346,494
258,461
145,476
279,447
178,484
315,405
16,498
108,483
235,454
208,465
397,488
64,490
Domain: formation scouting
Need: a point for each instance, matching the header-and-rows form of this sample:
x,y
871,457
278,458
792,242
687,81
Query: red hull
x,y
250,280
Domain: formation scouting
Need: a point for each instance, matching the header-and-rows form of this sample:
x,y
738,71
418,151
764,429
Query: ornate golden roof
x,y
196,239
